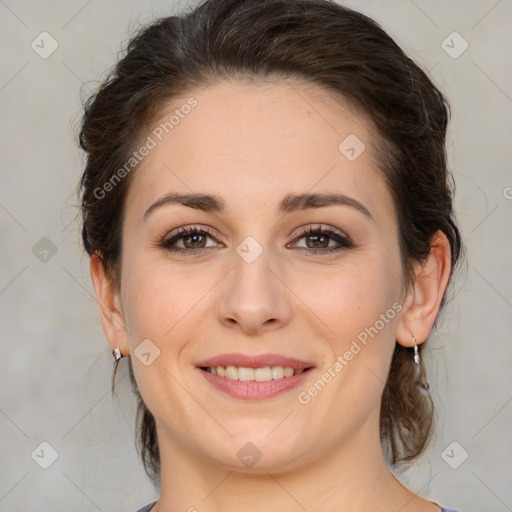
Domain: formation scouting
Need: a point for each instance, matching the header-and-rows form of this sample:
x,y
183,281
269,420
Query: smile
x,y
253,377
262,374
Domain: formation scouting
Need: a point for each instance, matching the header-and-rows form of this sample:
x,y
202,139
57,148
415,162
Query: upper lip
x,y
254,361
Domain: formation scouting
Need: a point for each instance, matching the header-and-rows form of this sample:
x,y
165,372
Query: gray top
x,y
147,508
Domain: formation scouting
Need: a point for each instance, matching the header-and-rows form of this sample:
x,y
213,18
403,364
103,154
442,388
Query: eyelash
x,y
344,241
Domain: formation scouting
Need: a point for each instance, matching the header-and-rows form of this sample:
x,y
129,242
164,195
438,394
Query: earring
x,y
416,353
117,356
424,385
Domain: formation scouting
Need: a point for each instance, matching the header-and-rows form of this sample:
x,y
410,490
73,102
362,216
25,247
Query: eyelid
x,y
305,230
184,231
342,240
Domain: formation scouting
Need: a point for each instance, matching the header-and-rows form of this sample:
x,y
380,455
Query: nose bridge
x,y
253,296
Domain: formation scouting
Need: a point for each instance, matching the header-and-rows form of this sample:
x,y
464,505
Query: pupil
x,y
194,240
317,238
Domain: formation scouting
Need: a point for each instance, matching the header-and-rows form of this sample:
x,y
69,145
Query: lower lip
x,y
253,390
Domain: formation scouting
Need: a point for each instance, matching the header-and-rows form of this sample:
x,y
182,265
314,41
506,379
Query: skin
x,y
252,144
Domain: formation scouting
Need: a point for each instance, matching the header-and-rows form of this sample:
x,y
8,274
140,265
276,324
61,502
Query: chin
x,y
253,452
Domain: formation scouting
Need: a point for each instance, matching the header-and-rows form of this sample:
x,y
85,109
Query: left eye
x,y
191,238
318,240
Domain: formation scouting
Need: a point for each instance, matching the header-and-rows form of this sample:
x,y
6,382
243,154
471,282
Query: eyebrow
x,y
290,203
204,202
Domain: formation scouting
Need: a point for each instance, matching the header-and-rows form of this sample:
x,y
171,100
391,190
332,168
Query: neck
x,y
354,476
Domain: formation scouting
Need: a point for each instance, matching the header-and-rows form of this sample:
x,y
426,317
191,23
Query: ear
x,y
111,314
424,297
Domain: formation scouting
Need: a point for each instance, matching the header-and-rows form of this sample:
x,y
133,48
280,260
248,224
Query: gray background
x,y
55,365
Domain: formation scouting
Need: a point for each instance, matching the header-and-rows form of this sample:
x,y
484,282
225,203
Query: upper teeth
x,y
266,373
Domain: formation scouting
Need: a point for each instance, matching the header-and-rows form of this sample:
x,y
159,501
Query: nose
x,y
254,298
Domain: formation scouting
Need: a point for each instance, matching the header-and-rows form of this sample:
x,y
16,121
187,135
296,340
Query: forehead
x,y
251,141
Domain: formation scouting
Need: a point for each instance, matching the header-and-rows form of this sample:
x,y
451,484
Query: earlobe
x,y
111,314
425,295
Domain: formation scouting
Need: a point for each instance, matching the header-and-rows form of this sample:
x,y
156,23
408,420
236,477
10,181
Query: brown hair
x,y
318,41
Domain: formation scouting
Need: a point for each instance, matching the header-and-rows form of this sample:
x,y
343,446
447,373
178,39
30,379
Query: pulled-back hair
x,y
318,41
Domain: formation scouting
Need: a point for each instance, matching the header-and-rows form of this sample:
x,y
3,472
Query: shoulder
x,y
147,508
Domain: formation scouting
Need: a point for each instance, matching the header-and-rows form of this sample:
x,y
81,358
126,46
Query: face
x,y
259,278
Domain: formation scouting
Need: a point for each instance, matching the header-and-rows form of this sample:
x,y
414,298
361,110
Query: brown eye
x,y
319,241
188,240
194,241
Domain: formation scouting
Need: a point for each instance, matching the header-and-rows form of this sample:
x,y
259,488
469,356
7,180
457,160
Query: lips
x,y
233,374
256,361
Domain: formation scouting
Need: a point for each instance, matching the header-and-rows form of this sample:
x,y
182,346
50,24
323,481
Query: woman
x,y
268,213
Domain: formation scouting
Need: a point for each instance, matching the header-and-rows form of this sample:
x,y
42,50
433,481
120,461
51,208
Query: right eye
x,y
192,240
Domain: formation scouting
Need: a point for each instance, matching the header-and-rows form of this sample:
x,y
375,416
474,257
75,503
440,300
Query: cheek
x,y
157,299
163,307
350,298
359,305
